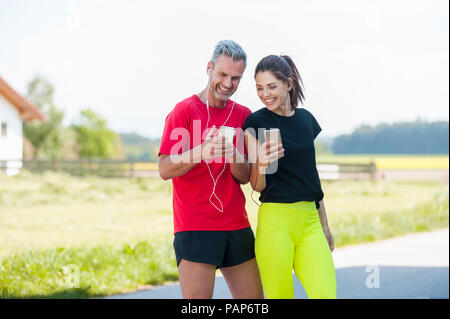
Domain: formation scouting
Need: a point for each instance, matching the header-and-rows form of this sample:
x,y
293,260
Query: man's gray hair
x,y
231,49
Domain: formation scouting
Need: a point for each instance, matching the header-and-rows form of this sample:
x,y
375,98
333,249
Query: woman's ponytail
x,y
297,92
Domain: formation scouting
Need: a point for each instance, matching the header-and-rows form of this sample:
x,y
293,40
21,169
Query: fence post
x,y
132,168
372,170
54,164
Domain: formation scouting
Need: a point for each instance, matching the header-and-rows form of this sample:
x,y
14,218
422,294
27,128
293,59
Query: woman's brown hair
x,y
283,68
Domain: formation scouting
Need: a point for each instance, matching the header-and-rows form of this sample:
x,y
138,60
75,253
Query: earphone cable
x,y
206,161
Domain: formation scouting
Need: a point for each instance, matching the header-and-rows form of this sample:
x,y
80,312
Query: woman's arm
x,y
257,180
324,222
260,157
240,168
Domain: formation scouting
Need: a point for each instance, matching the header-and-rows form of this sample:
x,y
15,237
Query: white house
x,y
14,110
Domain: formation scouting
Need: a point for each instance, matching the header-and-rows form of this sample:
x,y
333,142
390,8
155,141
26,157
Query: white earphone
x,y
215,180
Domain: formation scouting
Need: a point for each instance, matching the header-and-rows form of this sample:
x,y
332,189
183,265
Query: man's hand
x,y
216,146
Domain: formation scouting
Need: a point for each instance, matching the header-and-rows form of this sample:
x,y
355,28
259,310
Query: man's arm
x,y
171,166
176,165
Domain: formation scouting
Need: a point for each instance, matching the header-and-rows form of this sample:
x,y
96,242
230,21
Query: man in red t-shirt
x,y
211,226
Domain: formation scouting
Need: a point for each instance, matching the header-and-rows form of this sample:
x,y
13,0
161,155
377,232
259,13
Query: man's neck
x,y
213,102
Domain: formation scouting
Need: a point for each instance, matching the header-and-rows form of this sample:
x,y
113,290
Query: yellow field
x,y
392,161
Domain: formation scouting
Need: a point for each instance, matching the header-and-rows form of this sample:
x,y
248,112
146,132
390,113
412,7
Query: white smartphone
x,y
228,133
273,135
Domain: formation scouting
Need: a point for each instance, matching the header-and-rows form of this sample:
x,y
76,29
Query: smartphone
x,y
228,133
273,135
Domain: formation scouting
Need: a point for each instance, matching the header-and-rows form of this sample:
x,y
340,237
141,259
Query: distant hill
x,y
139,148
417,137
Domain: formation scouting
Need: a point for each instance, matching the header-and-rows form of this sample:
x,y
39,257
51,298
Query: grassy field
x,y
64,236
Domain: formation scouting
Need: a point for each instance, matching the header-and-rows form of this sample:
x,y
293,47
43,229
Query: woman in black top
x,y
292,231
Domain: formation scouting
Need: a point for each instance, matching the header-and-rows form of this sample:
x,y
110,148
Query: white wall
x,y
11,146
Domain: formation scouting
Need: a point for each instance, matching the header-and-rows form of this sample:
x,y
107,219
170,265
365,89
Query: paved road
x,y
411,266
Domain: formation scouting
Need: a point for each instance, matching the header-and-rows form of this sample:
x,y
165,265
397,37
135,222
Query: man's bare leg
x,y
244,280
196,279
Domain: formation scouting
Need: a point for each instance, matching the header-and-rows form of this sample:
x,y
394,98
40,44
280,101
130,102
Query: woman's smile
x,y
269,101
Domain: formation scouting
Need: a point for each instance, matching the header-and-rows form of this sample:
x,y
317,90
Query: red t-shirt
x,y
185,128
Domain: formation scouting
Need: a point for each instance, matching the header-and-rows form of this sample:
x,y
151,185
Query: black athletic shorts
x,y
219,248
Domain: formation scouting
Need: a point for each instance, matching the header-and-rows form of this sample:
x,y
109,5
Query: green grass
x,y
86,272
59,210
357,226
117,233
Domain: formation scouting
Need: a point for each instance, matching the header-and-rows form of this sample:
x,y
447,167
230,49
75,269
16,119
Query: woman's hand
x,y
269,152
329,237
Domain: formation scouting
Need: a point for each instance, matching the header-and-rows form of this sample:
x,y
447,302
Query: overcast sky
x,y
362,61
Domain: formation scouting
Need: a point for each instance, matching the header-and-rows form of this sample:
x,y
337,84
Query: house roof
x,y
27,110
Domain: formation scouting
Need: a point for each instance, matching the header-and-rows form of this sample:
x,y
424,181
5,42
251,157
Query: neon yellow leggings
x,y
290,236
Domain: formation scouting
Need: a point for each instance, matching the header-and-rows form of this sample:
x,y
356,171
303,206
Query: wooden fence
x,y
334,171
118,168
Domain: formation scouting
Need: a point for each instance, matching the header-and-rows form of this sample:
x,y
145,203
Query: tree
x,y
322,148
94,138
44,136
417,137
